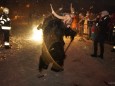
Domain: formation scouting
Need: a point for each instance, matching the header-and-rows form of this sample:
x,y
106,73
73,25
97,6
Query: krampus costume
x,y
53,44
54,29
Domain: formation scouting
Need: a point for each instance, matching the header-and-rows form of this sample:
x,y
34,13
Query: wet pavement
x,y
19,65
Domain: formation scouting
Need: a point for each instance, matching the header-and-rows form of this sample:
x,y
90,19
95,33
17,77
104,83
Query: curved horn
x,y
55,14
71,8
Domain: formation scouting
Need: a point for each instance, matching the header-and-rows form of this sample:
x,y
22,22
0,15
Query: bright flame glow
x,y
37,35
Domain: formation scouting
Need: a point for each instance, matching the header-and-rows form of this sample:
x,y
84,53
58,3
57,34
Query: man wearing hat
x,y
101,33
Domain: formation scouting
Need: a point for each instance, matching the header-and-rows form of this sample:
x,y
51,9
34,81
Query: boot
x,y
100,56
7,47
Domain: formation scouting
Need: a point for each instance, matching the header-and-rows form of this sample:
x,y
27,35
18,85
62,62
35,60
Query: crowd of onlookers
x,y
88,22
99,28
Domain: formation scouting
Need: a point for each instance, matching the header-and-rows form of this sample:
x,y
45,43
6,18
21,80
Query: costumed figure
x,y
69,20
53,45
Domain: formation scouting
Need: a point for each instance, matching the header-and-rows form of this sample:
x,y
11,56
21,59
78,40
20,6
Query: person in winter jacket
x,y
101,33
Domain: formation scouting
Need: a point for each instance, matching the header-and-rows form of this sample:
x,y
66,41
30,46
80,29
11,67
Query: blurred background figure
x,y
111,32
81,26
90,23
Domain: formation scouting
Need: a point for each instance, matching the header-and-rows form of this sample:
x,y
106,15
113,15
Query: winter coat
x,y
102,28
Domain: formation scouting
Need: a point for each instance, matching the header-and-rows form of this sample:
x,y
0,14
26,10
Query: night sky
x,y
43,6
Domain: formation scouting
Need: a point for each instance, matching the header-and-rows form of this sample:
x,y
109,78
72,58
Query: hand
x,y
71,5
52,8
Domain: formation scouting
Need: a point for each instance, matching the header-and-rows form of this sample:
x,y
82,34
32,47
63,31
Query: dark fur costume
x,y
53,32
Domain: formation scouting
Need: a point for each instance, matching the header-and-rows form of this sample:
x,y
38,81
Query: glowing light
x,y
37,35
113,47
6,43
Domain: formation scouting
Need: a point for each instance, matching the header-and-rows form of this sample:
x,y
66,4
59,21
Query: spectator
x,y
90,23
111,35
100,36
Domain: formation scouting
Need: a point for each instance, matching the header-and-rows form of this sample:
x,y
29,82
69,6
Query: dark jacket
x,y
5,22
102,28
